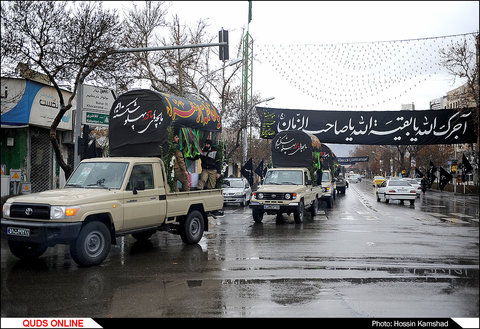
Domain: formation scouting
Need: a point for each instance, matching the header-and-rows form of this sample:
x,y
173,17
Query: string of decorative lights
x,y
360,74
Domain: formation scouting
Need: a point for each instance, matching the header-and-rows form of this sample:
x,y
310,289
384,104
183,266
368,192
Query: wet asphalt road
x,y
362,258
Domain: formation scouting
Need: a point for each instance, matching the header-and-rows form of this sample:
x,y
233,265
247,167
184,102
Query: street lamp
x,y
233,62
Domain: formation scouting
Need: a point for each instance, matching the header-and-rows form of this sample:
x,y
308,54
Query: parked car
x,y
236,190
396,190
355,179
416,184
378,180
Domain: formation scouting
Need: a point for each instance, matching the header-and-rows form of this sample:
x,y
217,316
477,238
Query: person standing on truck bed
x,y
180,167
210,166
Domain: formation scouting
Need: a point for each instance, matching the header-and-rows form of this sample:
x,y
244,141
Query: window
x,y
325,176
141,172
280,177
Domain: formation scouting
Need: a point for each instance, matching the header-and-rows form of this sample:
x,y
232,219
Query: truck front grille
x,y
273,196
30,211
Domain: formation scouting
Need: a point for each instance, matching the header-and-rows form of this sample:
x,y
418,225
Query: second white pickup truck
x,y
286,190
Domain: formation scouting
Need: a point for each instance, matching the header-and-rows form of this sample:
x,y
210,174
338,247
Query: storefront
x,y
28,109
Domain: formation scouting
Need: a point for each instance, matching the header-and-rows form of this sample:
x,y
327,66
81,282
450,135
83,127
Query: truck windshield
x,y
325,177
284,177
107,175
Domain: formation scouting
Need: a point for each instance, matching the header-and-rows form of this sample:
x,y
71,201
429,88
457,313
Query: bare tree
x,y
65,41
463,62
185,72
172,71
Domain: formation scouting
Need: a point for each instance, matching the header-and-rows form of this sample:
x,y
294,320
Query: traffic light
x,y
223,50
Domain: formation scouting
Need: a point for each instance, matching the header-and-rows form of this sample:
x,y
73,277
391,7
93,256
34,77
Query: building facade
x,y
28,109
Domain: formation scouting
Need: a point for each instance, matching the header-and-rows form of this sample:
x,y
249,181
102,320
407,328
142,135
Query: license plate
x,y
18,231
271,207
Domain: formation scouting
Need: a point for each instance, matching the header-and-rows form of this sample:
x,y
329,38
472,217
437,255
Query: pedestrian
x,y
180,167
424,183
210,166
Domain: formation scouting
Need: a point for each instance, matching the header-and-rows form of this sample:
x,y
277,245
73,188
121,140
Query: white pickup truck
x,y
105,198
286,190
329,187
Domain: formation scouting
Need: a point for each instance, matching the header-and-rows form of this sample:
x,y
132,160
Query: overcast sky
x,y
299,23
322,22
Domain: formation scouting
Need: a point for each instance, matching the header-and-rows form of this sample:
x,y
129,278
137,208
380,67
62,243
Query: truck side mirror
x,y
309,182
139,186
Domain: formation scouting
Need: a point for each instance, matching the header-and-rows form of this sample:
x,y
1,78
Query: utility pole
x,y
477,105
247,75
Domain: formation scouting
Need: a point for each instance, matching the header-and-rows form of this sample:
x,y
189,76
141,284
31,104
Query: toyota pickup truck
x,y
286,190
103,199
329,187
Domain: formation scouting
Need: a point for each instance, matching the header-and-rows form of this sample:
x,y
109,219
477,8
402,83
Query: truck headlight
x,y
61,212
287,196
6,209
260,195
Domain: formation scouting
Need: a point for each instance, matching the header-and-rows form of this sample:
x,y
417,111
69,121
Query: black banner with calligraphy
x,y
352,160
139,120
292,149
448,126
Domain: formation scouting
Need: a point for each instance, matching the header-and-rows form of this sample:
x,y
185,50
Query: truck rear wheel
x,y
26,250
192,228
92,244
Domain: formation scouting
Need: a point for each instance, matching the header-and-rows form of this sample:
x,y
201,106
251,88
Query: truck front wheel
x,y
330,202
26,250
298,214
257,215
192,228
92,244
314,207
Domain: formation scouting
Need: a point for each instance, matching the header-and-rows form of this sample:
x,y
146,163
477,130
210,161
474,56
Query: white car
x,y
236,190
396,190
415,184
354,179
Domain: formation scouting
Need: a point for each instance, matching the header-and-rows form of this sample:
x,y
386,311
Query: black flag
x,y
467,167
445,177
247,171
418,173
431,173
259,169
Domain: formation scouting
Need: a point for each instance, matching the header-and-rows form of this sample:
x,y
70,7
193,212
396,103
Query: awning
x,y
139,120
26,102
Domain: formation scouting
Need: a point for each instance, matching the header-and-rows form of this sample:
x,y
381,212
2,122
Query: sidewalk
x,y
449,188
